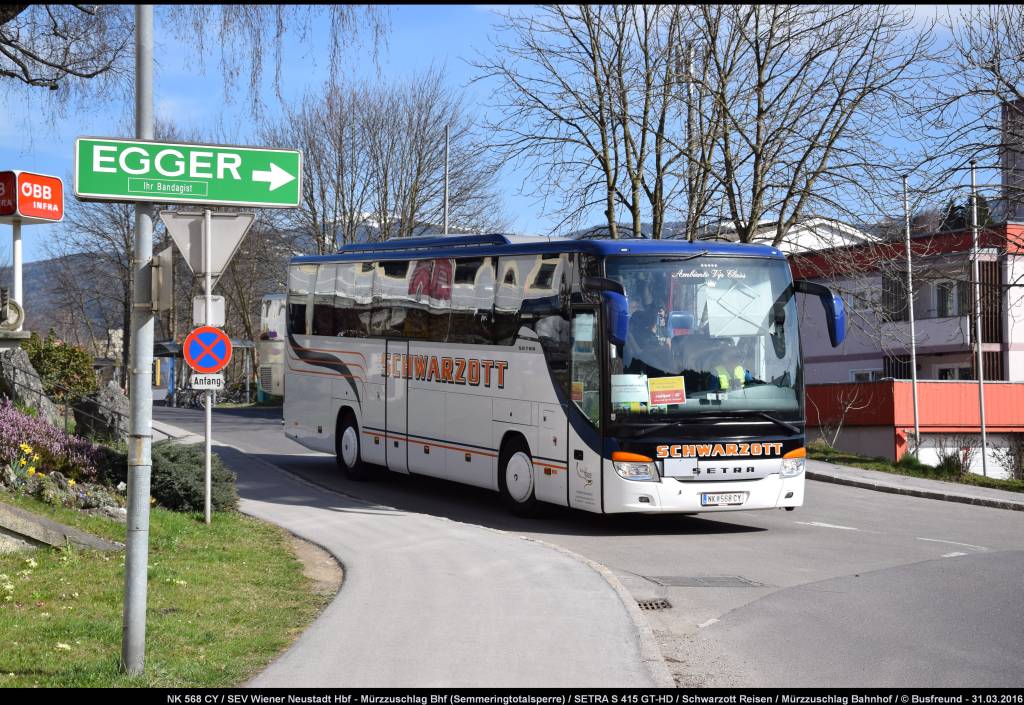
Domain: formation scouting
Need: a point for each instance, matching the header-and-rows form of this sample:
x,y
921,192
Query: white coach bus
x,y
605,375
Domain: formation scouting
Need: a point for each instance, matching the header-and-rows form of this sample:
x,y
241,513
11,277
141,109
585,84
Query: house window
x,y
865,375
952,299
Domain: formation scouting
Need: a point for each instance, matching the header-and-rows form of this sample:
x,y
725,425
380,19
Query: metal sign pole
x,y
207,276
133,644
910,310
980,364
16,257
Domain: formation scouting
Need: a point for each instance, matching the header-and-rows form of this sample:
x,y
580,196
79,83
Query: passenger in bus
x,y
729,372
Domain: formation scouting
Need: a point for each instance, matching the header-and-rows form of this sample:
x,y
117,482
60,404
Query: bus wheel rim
x,y
349,447
519,477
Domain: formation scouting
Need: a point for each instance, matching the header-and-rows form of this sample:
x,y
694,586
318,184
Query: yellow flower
x,y
35,458
31,471
21,462
71,483
25,448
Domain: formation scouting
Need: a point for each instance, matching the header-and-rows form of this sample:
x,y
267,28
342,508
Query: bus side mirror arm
x,y
835,312
615,305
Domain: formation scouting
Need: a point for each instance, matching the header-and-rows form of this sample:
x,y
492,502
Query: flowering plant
x,y
26,441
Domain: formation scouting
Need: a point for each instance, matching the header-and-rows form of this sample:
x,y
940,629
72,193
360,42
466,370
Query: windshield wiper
x,y
683,259
648,430
764,415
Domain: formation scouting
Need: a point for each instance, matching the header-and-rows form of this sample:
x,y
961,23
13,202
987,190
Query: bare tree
x,y
84,51
328,128
101,281
59,47
404,134
807,93
588,102
373,164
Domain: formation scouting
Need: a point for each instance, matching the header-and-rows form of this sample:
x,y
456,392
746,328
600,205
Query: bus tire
x,y
347,448
515,478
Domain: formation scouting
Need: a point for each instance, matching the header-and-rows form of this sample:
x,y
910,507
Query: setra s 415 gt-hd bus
x,y
603,375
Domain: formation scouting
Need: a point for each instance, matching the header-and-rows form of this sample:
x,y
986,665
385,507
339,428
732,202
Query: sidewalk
x,y
430,602
914,486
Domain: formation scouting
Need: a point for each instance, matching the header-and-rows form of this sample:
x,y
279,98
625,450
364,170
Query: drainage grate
x,y
656,604
702,581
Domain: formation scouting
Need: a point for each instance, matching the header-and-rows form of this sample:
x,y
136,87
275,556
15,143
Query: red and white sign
x,y
207,350
30,198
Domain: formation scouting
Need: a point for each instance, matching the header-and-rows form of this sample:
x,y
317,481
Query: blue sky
x,y
420,36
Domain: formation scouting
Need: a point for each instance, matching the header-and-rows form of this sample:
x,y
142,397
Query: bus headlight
x,y
792,467
633,466
793,462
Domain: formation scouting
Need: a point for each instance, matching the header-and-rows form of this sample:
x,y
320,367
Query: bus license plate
x,y
720,499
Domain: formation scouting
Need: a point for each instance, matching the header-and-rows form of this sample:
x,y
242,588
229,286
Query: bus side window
x,y
301,279
508,297
323,301
440,299
352,291
545,311
390,298
472,301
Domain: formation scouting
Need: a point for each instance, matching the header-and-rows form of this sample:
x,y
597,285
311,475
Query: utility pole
x,y
140,440
910,308
446,128
977,317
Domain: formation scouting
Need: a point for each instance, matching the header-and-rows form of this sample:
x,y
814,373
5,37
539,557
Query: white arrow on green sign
x,y
168,172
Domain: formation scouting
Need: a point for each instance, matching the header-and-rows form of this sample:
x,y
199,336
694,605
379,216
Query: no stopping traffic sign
x,y
207,349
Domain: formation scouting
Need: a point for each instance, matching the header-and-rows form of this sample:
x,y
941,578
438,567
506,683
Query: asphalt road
x,y
856,588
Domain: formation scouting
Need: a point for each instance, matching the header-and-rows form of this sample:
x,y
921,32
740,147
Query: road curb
x,y
915,492
650,654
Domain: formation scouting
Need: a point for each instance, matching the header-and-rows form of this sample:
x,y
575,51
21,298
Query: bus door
x,y
396,395
585,395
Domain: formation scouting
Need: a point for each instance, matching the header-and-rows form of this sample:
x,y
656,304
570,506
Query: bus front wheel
x,y
347,450
515,478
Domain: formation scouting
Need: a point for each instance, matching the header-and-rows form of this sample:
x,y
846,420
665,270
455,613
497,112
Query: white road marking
x,y
954,554
827,526
954,543
707,623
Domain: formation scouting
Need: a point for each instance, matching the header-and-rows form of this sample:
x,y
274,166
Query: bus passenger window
x,y
509,297
301,279
353,291
390,298
472,301
297,319
323,302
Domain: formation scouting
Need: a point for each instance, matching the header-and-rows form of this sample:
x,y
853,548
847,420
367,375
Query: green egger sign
x,y
137,170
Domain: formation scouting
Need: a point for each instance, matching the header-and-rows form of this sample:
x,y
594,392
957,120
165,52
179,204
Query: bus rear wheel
x,y
515,479
347,449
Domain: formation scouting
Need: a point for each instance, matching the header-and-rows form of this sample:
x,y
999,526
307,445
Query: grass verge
x,y
909,467
223,601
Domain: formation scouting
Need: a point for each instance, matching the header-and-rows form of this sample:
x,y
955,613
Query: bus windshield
x,y
707,335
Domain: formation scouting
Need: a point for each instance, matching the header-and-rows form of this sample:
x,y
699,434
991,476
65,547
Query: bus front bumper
x,y
670,495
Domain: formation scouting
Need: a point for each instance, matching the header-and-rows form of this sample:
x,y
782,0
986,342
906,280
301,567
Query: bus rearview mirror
x,y
616,311
835,312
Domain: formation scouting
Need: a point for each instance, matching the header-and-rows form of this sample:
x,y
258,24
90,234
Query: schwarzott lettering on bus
x,y
625,376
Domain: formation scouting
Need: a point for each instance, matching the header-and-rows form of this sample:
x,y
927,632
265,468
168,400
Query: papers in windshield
x,y
628,389
666,390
